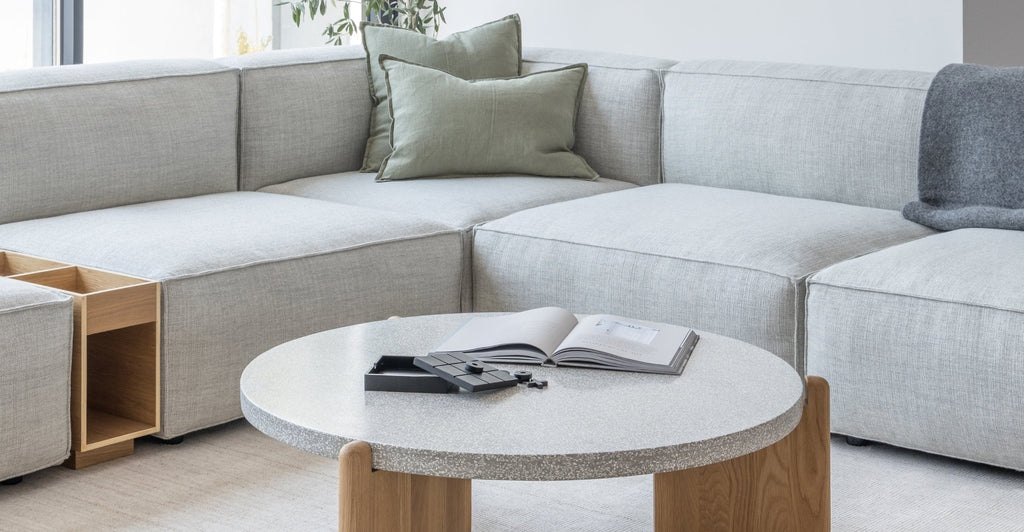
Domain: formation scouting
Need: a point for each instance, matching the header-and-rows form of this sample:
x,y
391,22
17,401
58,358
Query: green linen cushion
x,y
445,126
492,50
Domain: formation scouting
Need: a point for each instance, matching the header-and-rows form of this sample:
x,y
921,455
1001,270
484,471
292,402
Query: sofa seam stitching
x,y
311,255
594,65
809,80
649,254
913,296
225,70
31,306
297,63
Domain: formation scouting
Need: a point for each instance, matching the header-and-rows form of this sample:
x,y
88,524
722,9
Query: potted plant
x,y
417,15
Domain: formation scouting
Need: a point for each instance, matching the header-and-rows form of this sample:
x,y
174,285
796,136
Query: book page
x,y
648,342
543,328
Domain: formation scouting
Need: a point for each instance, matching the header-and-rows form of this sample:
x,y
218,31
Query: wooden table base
x,y
782,487
382,501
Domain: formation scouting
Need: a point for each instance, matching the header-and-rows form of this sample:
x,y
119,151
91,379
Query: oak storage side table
x,y
739,441
115,365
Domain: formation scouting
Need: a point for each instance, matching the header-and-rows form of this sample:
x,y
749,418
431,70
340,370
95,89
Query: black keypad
x,y
452,368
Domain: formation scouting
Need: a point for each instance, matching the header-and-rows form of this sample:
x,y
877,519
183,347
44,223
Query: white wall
x,y
992,32
114,30
907,34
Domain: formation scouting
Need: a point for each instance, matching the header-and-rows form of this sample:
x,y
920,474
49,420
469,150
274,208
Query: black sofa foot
x,y
172,441
11,481
857,442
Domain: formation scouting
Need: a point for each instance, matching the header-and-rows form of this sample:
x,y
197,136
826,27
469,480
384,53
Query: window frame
x,y
70,23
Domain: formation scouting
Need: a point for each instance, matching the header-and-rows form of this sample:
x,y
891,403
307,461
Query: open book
x,y
553,336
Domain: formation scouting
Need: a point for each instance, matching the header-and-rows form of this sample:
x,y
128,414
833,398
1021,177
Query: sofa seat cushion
x,y
35,375
244,271
923,344
726,261
460,203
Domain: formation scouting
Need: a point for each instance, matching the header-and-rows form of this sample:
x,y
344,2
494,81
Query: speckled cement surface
x,y
732,399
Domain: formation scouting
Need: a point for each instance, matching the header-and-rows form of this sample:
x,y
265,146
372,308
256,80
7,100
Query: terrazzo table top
x,y
732,399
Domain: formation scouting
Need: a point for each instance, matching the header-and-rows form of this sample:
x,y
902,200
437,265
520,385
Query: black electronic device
x,y
466,371
398,373
537,383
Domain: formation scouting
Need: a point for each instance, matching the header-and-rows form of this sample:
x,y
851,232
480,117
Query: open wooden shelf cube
x,y
12,263
115,389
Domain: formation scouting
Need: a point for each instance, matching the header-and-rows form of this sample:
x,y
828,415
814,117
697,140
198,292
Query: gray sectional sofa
x,y
754,200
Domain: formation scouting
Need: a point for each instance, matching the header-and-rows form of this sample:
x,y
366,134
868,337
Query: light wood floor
x,y
234,478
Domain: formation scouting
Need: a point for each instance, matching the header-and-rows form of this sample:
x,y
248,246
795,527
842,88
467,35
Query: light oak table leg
x,y
785,486
371,500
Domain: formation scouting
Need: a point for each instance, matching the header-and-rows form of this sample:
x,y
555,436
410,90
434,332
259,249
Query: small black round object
x,y
475,366
522,375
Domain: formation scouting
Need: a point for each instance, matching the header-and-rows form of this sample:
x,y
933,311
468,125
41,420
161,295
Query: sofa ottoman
x,y
923,344
35,376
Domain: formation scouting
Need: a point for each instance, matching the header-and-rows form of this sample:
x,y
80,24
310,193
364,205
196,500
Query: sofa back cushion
x,y
839,134
618,128
85,137
304,112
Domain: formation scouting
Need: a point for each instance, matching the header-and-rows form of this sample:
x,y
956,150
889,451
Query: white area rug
x,y
235,478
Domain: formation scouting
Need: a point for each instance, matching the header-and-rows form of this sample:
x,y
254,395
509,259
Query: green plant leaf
x,y
415,15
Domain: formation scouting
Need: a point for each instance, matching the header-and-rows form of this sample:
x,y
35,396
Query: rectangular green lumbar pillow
x,y
445,126
492,50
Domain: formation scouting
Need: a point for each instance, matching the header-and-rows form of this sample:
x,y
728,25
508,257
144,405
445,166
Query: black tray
x,y
398,373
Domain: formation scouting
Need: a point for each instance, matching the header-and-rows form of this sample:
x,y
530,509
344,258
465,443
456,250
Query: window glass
x,y
26,33
114,30
310,32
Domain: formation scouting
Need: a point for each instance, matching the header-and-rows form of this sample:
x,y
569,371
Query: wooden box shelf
x,y
12,263
115,370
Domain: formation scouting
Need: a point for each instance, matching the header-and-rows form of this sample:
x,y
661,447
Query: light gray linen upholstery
x,y
725,261
304,112
458,203
923,344
838,134
618,129
35,378
86,137
245,271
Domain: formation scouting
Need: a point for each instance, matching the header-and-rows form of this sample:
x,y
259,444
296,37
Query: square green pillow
x,y
492,50
445,126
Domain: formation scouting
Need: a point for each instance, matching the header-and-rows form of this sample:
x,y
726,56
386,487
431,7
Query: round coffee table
x,y
406,458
